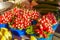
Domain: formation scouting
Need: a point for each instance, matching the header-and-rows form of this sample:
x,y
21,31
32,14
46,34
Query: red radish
x,y
38,24
1,17
45,35
37,31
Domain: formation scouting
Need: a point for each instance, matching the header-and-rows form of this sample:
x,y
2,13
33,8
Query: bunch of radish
x,y
6,17
44,25
23,17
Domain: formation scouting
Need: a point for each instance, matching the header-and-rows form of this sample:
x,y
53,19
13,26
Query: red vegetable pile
x,y
44,25
7,17
22,18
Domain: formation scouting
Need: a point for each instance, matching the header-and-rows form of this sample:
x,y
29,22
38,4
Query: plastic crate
x,y
3,25
18,32
50,37
55,26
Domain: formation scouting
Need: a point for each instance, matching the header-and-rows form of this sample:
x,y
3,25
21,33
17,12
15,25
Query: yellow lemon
x,y
5,34
1,35
8,35
3,38
3,30
33,38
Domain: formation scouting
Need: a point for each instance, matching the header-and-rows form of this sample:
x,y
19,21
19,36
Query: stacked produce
x,y
44,25
22,17
7,17
29,20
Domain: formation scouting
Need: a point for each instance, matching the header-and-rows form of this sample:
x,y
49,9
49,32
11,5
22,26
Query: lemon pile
x,y
5,34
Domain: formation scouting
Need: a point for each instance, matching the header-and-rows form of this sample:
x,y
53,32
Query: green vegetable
x,y
45,6
29,30
55,3
44,11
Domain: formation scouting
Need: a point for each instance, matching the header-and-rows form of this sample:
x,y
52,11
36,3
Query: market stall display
x,y
28,23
